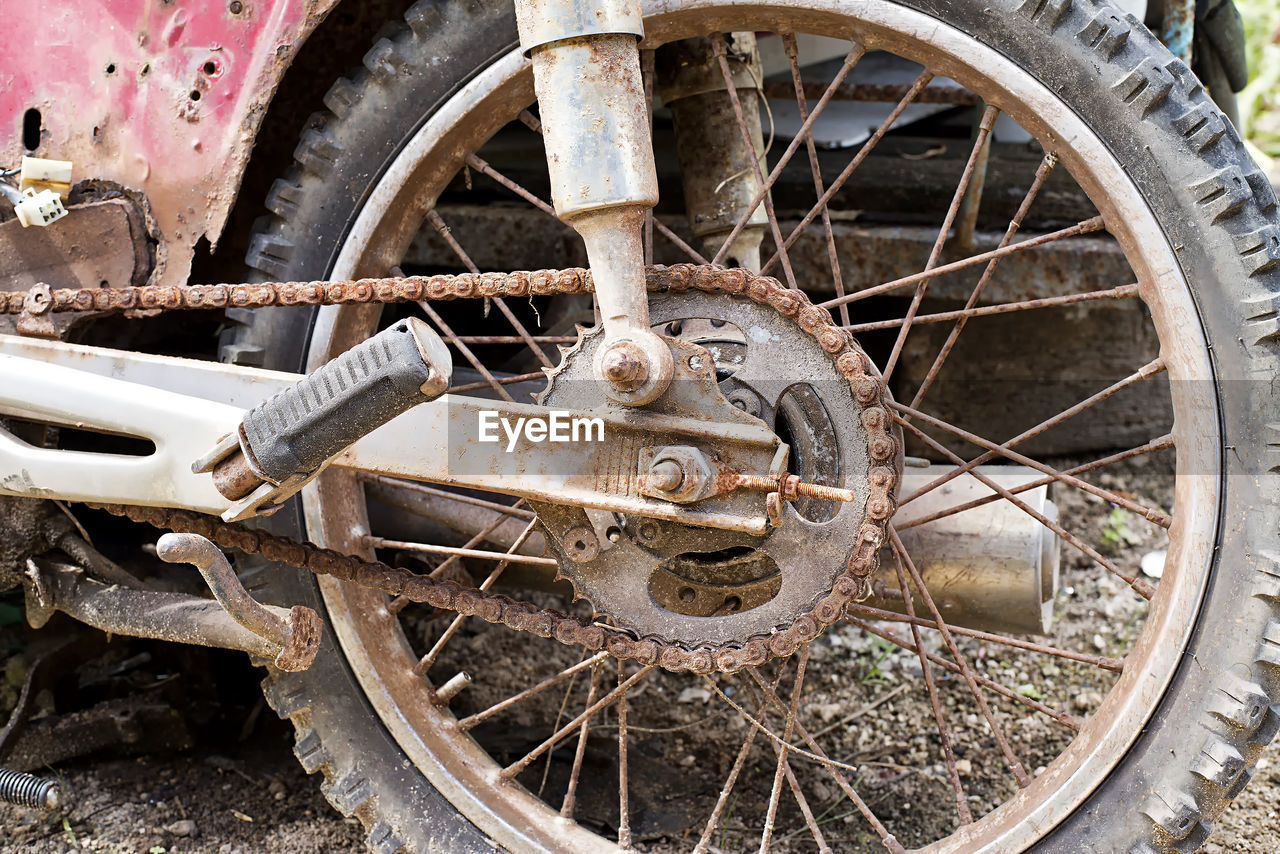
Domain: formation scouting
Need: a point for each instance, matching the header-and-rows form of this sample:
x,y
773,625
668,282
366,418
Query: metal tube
x,y
595,123
715,162
138,613
296,634
992,568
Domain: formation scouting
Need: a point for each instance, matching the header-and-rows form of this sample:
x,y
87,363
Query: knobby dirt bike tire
x,y
1197,750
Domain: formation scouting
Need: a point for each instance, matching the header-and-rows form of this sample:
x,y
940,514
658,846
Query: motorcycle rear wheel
x,y
1177,735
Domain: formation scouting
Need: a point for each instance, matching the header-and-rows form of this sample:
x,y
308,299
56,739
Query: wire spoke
x,y
1116,293
511,380
788,727
400,602
624,805
513,510
550,682
1042,175
1160,444
713,821
1115,665
519,765
988,121
1069,721
424,663
438,223
428,548
818,755
1142,588
1015,764
1154,516
833,257
571,791
1145,372
718,50
1088,226
806,128
863,153
962,804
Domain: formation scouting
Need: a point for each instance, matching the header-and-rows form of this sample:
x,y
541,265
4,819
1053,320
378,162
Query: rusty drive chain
x,y
849,359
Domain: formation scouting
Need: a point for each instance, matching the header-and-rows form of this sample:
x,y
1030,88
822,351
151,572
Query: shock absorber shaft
x,y
595,119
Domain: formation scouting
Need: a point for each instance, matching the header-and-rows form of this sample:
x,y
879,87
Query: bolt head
x,y
625,365
666,476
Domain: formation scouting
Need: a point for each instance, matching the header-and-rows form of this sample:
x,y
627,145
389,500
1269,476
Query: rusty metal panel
x,y
162,98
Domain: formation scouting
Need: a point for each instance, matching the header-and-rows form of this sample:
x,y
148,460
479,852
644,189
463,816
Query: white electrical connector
x,y
40,208
38,173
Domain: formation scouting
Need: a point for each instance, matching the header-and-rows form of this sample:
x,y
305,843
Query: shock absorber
x,y
716,167
586,74
28,791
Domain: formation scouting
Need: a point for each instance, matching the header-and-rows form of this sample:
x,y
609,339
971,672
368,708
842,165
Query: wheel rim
x,y
372,637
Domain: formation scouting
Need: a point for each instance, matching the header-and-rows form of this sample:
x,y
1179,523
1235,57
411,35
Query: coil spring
x,y
28,791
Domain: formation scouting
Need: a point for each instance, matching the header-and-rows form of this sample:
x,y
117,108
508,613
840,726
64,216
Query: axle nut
x,y
624,365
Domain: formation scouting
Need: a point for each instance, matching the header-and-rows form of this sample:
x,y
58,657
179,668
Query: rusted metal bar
x,y
297,635
140,613
887,93
1177,28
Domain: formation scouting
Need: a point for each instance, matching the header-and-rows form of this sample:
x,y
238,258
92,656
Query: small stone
x,y
688,761
183,827
1099,642
964,767
1152,563
694,695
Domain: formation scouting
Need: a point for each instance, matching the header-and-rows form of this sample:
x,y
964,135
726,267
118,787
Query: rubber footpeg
x,y
299,429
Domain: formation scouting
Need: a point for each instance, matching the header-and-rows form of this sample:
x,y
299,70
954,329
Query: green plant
x,y
1117,531
1260,101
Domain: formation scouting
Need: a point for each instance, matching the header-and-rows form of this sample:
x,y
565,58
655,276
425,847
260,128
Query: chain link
x,y
852,583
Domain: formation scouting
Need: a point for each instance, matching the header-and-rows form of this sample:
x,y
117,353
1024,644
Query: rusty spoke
x,y
424,663
1068,721
1142,588
438,223
863,153
833,257
510,772
788,727
624,803
571,791
1160,444
1115,665
1156,517
988,121
962,804
482,166
713,821
647,60
1042,175
797,792
450,337
1015,764
513,510
717,49
511,380
856,53
818,755
480,717
516,339
428,548
400,602
965,314
1146,371
1088,226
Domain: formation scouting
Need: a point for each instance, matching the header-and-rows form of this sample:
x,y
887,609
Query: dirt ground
x,y
211,770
